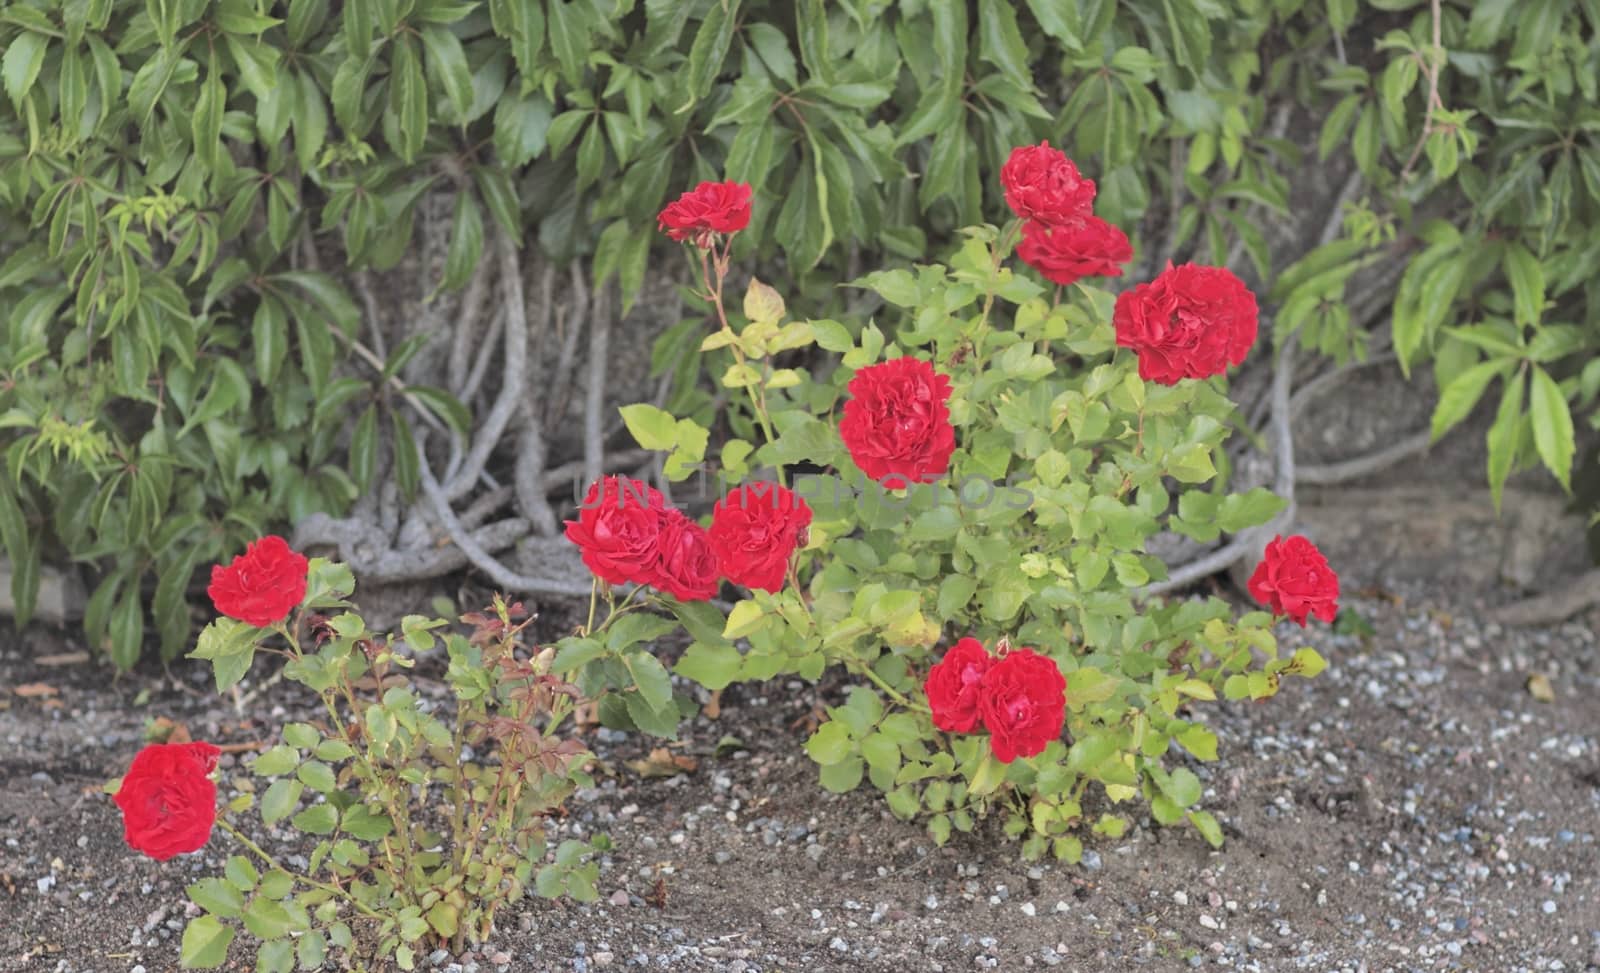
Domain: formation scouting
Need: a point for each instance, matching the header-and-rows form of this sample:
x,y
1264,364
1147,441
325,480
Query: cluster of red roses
x,y
627,534
1019,697
1061,237
1192,321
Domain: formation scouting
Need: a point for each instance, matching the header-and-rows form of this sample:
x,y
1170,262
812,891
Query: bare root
x,y
1555,606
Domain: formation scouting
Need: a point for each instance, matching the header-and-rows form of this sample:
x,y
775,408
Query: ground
x,y
1416,807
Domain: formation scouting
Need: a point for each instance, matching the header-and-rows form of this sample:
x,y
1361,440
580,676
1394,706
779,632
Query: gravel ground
x,y
1414,808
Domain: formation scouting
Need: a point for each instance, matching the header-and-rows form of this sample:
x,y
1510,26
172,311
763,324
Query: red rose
x,y
1294,579
168,799
708,209
896,423
1023,701
754,530
1042,184
686,566
1190,322
953,686
617,528
262,585
1068,252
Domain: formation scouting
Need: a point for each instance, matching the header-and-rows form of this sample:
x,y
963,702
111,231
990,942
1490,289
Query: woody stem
x,y
306,879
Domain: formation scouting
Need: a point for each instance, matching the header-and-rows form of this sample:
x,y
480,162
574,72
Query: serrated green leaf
x,y
205,944
280,799
1553,433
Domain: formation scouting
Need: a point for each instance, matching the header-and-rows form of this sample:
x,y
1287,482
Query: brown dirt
x,y
1413,808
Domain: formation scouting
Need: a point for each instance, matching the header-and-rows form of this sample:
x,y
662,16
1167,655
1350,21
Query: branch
x,y
369,301
1430,68
513,375
352,537
555,405
480,365
1353,469
1176,194
594,444
1555,606
479,558
1328,381
531,449
531,482
466,332
1248,543
568,473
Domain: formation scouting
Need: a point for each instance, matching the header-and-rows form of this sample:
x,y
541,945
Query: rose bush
x,y
993,459
417,823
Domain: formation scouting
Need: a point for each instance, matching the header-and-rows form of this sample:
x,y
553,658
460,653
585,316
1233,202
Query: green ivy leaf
x,y
1207,826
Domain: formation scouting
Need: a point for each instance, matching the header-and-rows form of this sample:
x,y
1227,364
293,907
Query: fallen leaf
x,y
586,715
663,763
713,707
164,730
1539,688
33,690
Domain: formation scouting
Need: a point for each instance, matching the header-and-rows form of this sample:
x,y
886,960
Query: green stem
x,y
594,593
862,668
757,392
365,768
1005,243
304,879
800,594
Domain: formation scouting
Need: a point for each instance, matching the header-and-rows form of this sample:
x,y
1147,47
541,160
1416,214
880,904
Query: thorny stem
x,y
758,390
594,595
1007,239
861,668
364,767
306,879
799,593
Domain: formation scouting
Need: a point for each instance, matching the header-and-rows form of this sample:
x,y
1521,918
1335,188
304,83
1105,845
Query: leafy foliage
x,y
1065,464
423,825
172,355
